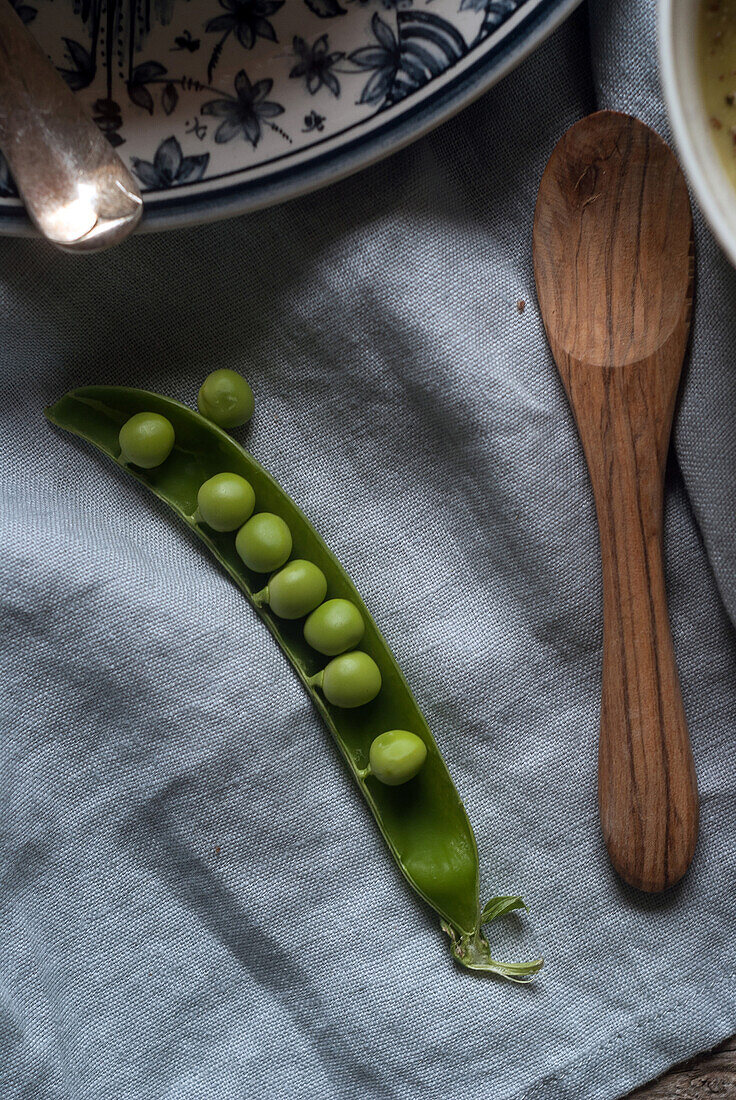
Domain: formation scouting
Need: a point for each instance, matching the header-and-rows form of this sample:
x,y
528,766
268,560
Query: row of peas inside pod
x,y
295,589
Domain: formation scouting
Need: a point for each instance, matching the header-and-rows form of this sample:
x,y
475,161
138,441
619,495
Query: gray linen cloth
x,y
195,902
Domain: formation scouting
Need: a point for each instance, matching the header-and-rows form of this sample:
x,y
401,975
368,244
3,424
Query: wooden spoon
x,y
613,262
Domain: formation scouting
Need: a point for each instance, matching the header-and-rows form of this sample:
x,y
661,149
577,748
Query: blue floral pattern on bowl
x,y
192,92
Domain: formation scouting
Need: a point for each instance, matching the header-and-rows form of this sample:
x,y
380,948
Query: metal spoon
x,y
76,189
613,260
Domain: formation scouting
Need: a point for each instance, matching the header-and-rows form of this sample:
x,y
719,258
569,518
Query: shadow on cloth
x,y
151,835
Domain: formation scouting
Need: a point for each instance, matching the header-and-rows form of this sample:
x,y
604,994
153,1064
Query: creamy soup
x,y
717,54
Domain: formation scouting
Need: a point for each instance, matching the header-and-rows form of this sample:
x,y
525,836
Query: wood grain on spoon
x,y
613,262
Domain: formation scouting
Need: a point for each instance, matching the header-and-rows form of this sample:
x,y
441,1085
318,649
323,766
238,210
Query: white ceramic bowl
x,y
222,106
689,120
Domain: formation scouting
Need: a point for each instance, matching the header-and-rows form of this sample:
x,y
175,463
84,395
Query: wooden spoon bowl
x,y
613,262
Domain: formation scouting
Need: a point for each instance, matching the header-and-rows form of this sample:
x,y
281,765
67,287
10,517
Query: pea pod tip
x,y
474,953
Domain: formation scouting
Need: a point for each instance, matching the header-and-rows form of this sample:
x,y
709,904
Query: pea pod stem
x,y
260,599
474,953
317,681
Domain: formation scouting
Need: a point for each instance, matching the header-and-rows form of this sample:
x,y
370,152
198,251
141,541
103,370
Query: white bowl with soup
x,y
697,50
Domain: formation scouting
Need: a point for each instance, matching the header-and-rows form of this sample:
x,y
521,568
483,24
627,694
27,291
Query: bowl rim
x,y
700,172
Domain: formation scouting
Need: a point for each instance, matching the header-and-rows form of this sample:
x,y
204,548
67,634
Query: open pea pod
x,y
423,821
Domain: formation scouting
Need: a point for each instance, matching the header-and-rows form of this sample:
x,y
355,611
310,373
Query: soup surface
x,y
717,54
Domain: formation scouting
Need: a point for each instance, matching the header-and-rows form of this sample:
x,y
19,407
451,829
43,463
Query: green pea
x,y
396,757
225,502
264,542
226,399
350,680
334,627
146,440
296,590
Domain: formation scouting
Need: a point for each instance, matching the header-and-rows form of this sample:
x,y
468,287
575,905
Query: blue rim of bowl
x,y
349,156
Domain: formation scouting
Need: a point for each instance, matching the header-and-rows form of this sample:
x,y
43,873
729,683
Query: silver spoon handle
x,y
75,187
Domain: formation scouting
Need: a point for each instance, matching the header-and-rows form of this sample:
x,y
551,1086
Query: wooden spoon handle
x,y
647,789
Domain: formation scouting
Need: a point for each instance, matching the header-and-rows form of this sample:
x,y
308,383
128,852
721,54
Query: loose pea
x,y
397,756
264,542
225,501
296,590
334,627
226,399
146,440
350,680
